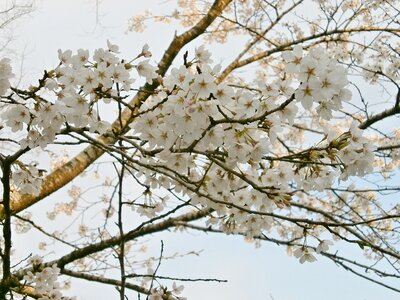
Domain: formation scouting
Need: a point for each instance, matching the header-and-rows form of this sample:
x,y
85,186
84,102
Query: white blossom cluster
x,y
358,155
322,80
22,226
210,141
77,85
27,180
45,281
383,60
219,136
308,254
162,293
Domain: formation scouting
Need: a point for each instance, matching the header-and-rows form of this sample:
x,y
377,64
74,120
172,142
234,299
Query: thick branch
x,y
114,241
6,253
382,115
79,163
104,280
237,63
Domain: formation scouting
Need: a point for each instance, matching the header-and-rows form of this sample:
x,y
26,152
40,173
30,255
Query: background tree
x,y
10,12
254,153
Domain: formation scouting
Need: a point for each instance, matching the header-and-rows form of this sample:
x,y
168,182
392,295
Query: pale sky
x,y
264,273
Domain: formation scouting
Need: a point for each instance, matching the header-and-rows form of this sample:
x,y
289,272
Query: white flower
x,y
103,74
293,58
203,85
324,110
177,289
77,104
87,78
67,76
27,180
323,246
29,277
308,69
100,55
80,58
203,56
51,84
179,77
288,113
65,56
147,70
112,47
35,260
307,92
224,94
16,116
119,73
145,51
98,126
304,254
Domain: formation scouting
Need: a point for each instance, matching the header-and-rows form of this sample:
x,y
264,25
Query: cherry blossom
x,y
305,254
268,157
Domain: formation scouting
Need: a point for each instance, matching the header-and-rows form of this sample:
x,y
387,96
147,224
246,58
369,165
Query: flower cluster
x,y
77,85
196,124
27,179
322,80
215,144
358,155
307,254
22,226
45,281
304,254
162,293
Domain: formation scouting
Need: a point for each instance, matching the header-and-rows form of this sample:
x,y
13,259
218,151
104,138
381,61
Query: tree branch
x,y
63,175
